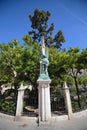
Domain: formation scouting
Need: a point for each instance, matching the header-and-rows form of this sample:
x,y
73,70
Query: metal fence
x,y
31,104
30,107
57,104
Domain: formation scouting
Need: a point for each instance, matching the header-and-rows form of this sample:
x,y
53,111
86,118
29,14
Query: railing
x,y
57,104
30,105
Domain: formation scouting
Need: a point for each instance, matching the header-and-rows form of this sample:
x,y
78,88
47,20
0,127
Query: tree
x,y
30,58
7,59
83,58
40,27
75,67
58,66
83,80
10,61
20,62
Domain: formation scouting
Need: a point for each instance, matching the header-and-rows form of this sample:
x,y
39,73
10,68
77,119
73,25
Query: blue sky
x,y
68,15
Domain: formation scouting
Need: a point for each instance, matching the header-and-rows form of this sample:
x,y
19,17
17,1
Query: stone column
x,y
19,108
68,101
44,100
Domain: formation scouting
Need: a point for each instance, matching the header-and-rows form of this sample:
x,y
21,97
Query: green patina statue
x,y
44,62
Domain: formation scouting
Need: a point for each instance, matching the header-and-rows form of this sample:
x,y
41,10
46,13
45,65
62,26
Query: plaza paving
x,y
77,123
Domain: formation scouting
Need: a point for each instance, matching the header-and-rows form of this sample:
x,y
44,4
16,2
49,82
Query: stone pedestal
x,y
19,108
44,100
68,101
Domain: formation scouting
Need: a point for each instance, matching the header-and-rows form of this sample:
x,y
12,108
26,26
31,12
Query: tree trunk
x,y
77,89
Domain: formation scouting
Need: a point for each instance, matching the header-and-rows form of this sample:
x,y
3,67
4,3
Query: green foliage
x,y
59,39
69,79
10,61
73,91
20,62
83,58
82,79
39,23
58,65
27,39
30,57
84,99
75,67
57,90
40,26
75,106
8,106
73,54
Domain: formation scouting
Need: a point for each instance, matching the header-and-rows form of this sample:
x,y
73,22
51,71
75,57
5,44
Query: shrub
x,y
8,106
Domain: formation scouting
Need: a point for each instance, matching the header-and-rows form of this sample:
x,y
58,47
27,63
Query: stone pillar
x,y
19,108
68,101
44,100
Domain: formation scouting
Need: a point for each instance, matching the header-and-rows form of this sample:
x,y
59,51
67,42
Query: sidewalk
x,y
79,122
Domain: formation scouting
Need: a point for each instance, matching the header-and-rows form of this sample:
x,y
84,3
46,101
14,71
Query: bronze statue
x,y
44,62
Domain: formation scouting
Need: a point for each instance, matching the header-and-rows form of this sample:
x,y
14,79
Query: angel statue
x,y
44,61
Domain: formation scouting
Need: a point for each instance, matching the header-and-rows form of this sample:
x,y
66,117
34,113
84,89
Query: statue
x,y
44,113
44,62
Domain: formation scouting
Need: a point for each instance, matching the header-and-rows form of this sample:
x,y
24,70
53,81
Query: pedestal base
x,y
44,100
